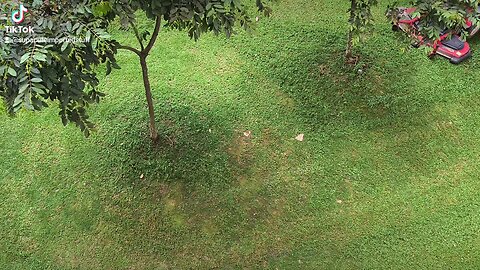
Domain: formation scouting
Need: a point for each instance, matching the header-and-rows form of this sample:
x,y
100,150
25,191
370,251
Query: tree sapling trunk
x,y
348,51
143,54
148,94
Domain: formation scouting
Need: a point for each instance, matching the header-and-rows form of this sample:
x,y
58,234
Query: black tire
x,y
416,45
395,28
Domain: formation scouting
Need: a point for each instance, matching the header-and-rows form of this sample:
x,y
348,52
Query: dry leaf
x,y
339,201
247,133
300,137
142,176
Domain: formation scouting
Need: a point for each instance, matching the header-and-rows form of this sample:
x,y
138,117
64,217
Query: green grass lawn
x,y
387,177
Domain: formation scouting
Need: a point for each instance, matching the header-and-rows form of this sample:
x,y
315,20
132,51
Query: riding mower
x,y
448,45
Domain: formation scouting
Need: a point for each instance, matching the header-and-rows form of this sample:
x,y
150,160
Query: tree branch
x,y
137,52
135,30
158,23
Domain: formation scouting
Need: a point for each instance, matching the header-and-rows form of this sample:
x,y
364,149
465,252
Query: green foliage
x,y
45,65
361,19
34,72
196,16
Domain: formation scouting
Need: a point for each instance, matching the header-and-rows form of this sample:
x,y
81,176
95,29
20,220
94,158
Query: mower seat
x,y
455,43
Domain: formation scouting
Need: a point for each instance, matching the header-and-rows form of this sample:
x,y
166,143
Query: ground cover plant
x,y
385,178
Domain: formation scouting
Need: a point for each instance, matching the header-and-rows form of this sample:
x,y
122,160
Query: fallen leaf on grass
x,y
300,137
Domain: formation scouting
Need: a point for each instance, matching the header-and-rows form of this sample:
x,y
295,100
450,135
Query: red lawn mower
x,y
447,45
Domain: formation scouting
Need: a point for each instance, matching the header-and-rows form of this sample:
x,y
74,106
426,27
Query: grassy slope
x,y
386,177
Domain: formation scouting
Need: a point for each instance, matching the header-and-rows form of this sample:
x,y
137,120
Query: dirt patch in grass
x,y
240,150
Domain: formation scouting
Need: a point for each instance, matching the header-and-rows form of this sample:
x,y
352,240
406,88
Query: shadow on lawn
x,y
188,203
190,149
309,67
306,62
377,102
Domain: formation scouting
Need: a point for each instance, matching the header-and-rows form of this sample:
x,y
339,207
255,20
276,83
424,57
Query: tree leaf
x,y
24,58
12,72
40,57
64,46
37,80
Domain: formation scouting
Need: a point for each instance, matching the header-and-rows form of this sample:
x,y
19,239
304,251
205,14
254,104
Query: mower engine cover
x,y
454,43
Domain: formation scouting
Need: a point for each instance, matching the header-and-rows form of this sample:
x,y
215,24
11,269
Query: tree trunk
x,y
348,51
143,54
148,94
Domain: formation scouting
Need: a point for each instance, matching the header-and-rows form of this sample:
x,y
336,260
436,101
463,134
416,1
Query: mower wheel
x,y
395,28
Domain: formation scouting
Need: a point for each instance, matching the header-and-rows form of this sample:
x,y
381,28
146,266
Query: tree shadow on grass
x,y
180,196
189,150
384,129
378,94
309,67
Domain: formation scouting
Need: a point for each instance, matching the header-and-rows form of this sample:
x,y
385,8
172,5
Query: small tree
x,y
360,22
61,70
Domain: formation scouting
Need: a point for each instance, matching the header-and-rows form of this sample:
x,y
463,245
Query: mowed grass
x,y
386,178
